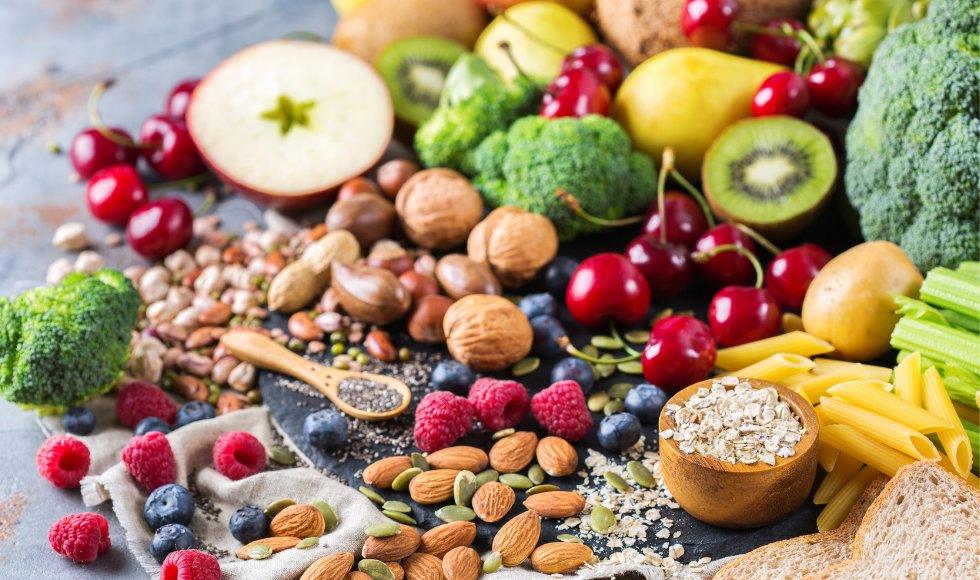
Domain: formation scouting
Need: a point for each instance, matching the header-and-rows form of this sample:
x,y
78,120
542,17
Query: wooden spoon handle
x,y
266,353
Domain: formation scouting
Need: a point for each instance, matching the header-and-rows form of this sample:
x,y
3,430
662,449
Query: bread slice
x,y
798,557
924,525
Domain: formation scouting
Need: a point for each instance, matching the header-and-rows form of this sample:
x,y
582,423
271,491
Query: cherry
x,y
834,85
789,274
176,157
180,97
681,351
741,314
727,268
575,93
114,193
159,229
91,151
708,23
607,286
599,59
685,220
776,48
666,265
784,93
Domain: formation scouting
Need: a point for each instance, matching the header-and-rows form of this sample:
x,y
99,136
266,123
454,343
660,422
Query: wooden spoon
x,y
266,353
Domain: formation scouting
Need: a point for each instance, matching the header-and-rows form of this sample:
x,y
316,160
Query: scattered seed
x,y
631,367
606,369
368,395
597,401
330,519
464,487
307,543
661,315
397,506
620,390
493,562
570,538
337,348
606,342
372,495
281,455
616,481
502,433
516,481
486,476
400,517
637,336
339,364
401,482
536,474
602,520
404,355
277,506
613,407
259,552
419,461
641,474
383,530
254,396
589,350
526,366
542,489
455,513
376,569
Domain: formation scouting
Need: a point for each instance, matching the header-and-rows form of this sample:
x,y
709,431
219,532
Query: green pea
x,y
404,354
337,348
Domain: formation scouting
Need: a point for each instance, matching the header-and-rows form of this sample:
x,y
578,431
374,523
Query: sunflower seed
x,y
620,390
631,367
536,474
486,476
502,433
542,489
602,520
401,482
464,487
613,407
383,530
330,519
372,495
455,513
641,474
637,336
606,369
570,538
259,552
493,562
397,506
661,315
376,569
419,461
281,455
516,481
597,401
526,366
277,506
606,342
616,481
400,517
307,543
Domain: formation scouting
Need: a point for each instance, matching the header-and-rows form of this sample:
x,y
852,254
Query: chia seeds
x,y
368,395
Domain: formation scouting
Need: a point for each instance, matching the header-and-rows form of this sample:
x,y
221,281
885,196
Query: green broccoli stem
x,y
566,344
702,257
572,202
951,290
96,120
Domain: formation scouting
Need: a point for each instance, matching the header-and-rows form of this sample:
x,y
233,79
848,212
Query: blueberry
x,y
646,401
534,305
574,369
171,538
168,504
151,424
557,275
248,524
619,432
193,411
78,420
325,429
453,376
547,329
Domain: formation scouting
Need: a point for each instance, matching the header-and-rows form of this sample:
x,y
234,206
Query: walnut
x,y
514,243
437,208
487,333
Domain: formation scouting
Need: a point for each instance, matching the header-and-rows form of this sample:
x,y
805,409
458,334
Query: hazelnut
x,y
369,217
425,323
356,186
437,208
394,258
487,333
460,276
514,243
393,175
418,284
373,295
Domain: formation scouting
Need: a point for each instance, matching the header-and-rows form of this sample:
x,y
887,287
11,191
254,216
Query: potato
x,y
848,304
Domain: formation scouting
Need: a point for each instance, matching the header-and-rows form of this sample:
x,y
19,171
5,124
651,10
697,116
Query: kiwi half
x,y
415,71
773,174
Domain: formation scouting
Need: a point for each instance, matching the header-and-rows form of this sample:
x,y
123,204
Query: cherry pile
x,y
589,77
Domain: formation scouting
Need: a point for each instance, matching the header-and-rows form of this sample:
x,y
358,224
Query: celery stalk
x,y
942,343
951,290
971,269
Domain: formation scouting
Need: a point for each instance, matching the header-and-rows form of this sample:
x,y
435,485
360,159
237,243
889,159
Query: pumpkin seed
x,y
383,530
516,481
597,401
616,481
493,562
277,506
307,543
542,489
606,369
526,366
661,315
606,342
613,407
570,538
376,569
464,487
372,495
401,482
330,519
502,433
281,455
486,476
397,506
684,313
259,552
419,461
602,520
589,350
637,336
631,367
400,517
455,513
640,474
620,390
536,474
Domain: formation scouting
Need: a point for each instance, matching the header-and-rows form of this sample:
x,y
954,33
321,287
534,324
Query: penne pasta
x,y
856,444
946,464
817,386
892,433
908,379
827,454
827,365
775,368
840,505
796,342
954,439
871,395
846,468
796,379
967,413
792,323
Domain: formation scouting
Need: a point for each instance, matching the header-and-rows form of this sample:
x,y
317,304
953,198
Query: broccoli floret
x,y
913,149
65,344
589,157
449,136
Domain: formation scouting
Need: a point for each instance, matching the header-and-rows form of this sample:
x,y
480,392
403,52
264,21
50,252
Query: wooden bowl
x,y
739,495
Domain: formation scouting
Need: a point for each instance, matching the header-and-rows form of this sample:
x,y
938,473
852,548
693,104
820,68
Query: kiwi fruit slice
x,y
415,70
773,174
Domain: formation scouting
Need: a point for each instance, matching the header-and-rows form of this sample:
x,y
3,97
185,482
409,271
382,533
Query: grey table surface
x,y
52,52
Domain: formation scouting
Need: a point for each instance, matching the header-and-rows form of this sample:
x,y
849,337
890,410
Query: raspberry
x,y
561,410
499,404
80,537
141,400
238,455
190,565
440,419
63,461
150,460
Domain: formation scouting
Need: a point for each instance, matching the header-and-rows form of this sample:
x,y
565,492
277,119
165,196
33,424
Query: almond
x,y
433,486
460,458
492,501
557,457
277,545
560,557
556,504
299,521
512,454
381,473
516,539
333,567
441,539
461,564
356,575
396,569
393,547
422,567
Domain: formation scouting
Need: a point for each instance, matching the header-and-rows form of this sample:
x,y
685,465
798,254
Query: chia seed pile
x,y
368,395
211,513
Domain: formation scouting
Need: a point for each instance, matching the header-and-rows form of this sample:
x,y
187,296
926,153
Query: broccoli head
x,y
65,344
913,149
591,157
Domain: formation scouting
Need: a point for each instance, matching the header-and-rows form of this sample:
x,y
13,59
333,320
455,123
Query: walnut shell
x,y
514,243
373,295
438,208
487,333
460,276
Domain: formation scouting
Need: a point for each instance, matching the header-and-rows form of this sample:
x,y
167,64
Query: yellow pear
x,y
344,6
684,98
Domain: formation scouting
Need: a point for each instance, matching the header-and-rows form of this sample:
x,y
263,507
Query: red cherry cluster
x,y
589,77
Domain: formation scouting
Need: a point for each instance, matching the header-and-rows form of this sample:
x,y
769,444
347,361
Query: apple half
x,y
286,122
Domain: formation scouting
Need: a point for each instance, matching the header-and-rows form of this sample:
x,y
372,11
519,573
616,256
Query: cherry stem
x,y
188,182
695,194
787,32
665,167
505,46
565,344
96,120
208,202
496,11
615,334
759,239
572,202
702,257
